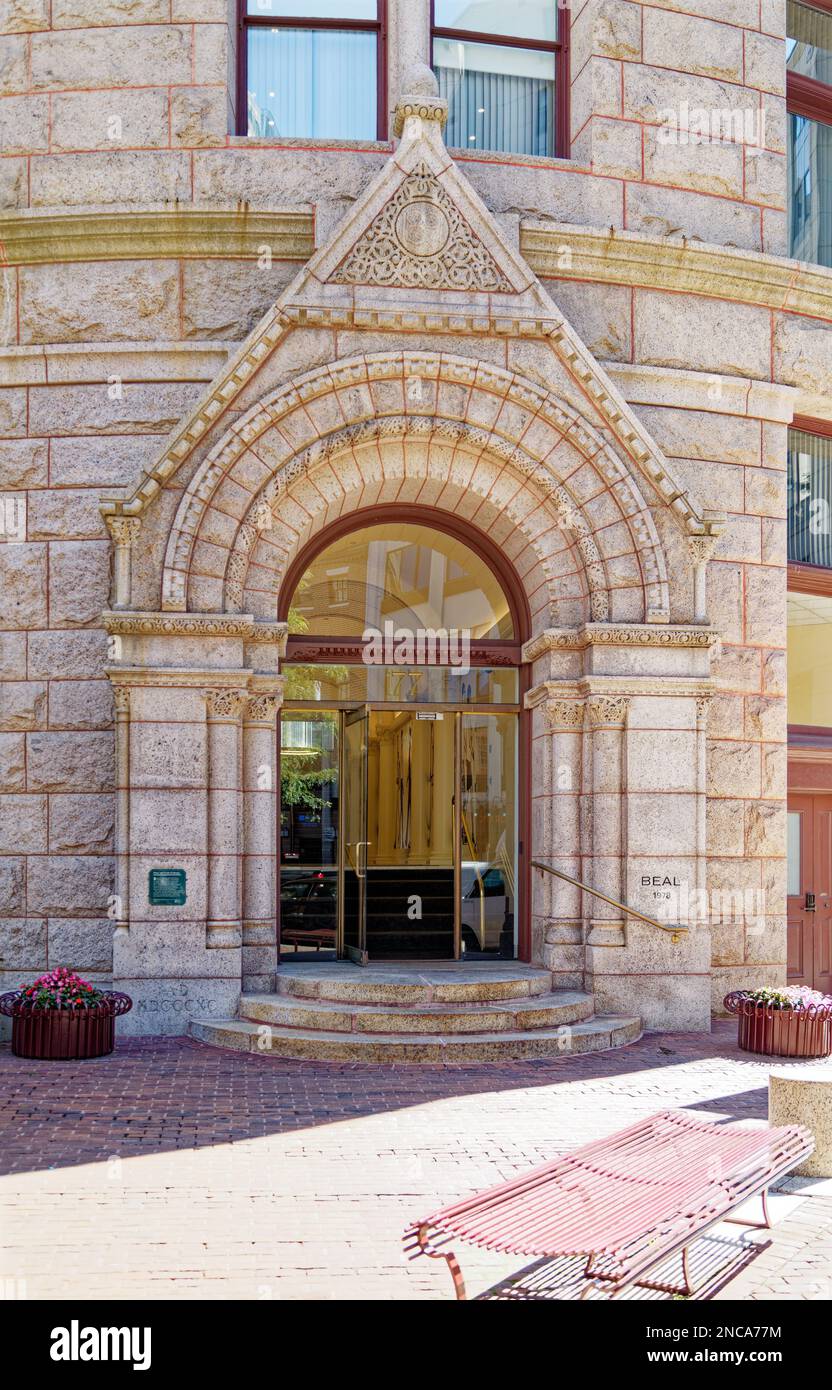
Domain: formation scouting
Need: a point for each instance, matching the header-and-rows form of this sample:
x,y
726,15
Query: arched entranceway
x,y
402,818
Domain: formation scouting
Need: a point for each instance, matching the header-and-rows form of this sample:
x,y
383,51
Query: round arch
x,y
557,473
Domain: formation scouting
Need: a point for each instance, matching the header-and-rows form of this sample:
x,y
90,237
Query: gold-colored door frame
x,y
346,713
344,951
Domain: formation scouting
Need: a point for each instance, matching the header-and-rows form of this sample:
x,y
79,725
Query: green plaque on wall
x,y
167,887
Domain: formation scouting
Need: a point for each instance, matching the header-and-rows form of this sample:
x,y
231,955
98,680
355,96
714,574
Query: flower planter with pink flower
x,y
61,1016
789,1022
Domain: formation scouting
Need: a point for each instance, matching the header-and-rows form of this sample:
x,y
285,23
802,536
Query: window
x,y
312,68
809,478
506,91
410,576
809,93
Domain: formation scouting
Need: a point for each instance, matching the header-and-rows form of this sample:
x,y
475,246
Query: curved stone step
x,y
329,1016
342,983
594,1035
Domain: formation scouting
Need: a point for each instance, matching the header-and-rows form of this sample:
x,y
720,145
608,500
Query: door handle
x,y
811,905
361,860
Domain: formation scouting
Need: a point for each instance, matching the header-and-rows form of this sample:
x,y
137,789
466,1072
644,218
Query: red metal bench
x,y
626,1203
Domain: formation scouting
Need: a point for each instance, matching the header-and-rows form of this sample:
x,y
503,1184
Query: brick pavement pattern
x,y
175,1170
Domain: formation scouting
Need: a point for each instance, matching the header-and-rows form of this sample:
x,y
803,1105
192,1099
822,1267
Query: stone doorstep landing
x,y
440,1013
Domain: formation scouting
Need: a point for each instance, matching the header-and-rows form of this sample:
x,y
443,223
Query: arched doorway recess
x,y
402,763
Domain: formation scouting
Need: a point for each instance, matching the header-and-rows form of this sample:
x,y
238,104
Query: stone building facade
x,y
217,345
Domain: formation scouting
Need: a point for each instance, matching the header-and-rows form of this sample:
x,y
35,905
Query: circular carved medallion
x,y
422,228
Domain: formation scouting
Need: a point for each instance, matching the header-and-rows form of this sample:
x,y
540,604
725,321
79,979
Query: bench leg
x,y
764,1225
686,1288
450,1259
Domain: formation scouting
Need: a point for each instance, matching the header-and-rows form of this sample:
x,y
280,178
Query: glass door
x,y
488,833
356,747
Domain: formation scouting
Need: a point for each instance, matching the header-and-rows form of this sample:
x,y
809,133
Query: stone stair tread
x,y
525,1004
596,1034
558,1008
435,983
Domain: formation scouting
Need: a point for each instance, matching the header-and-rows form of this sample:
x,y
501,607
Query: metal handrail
x,y
675,932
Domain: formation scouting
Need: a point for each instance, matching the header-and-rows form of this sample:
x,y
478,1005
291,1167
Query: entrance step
x,y
593,1035
390,1012
553,1010
454,983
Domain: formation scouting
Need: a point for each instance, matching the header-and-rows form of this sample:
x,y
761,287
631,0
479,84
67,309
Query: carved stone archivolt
x,y
355,380
420,240
453,431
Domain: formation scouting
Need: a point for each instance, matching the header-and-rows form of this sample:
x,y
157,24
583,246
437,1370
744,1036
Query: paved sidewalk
x,y
174,1170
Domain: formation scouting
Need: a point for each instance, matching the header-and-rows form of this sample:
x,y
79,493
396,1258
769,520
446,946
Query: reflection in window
x,y
810,660
809,63
303,80
414,577
501,95
810,498
809,42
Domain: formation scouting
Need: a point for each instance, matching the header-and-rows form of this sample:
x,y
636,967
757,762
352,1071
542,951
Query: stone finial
x,y
421,100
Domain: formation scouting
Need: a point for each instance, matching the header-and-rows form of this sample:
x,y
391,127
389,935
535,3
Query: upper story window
x,y
809,94
810,497
312,68
502,68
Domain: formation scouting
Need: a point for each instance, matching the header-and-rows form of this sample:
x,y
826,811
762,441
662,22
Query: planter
x,y
779,1032
64,1034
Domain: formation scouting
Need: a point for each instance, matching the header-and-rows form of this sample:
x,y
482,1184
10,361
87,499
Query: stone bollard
x,y
805,1100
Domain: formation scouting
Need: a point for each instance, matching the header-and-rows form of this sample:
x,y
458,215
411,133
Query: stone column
x,y
260,864
124,531
701,549
122,838
224,925
607,718
562,782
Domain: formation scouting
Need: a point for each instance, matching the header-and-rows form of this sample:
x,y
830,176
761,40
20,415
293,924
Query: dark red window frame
x,y
560,56
805,96
377,26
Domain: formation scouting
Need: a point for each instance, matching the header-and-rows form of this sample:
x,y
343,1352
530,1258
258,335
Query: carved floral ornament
x,y
608,710
224,704
420,240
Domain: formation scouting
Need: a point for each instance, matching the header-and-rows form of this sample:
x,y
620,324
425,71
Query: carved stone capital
x,y
608,711
262,709
425,108
564,715
121,695
701,548
123,529
224,704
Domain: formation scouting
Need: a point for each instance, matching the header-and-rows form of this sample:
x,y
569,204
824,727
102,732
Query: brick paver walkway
x,y
175,1170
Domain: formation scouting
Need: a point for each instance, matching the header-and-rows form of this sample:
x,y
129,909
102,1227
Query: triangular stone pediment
x,y
419,250
420,240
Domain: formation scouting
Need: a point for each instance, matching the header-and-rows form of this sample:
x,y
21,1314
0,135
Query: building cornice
x,y
563,251
39,237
